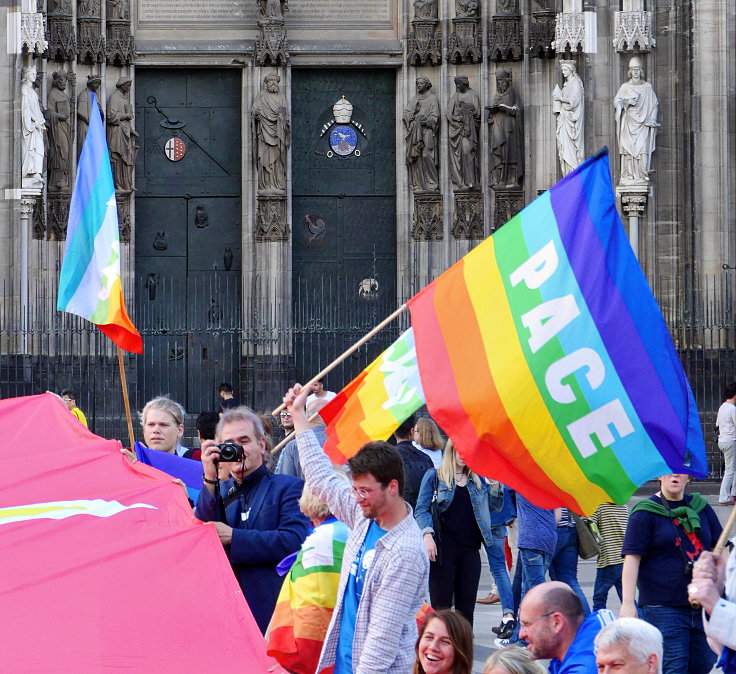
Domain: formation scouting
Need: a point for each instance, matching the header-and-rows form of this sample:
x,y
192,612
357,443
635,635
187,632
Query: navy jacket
x,y
273,528
416,464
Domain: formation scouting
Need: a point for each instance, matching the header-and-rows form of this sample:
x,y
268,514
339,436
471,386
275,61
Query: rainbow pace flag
x,y
544,356
374,404
90,274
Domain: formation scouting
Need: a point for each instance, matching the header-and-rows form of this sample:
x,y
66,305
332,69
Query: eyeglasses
x,y
362,493
526,624
285,414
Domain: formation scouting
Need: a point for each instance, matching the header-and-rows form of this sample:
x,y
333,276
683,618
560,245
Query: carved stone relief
x,y
62,45
505,39
32,33
123,204
427,225
120,46
270,47
468,217
506,205
633,31
633,200
464,43
271,222
38,219
424,43
542,29
575,31
90,41
58,216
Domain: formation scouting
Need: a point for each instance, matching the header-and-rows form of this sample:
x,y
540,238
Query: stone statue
x,y
506,133
425,9
84,101
273,9
34,126
121,137
58,119
117,9
636,107
272,133
421,120
464,134
466,8
569,106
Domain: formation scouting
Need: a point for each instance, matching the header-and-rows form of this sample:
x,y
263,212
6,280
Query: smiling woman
x,y
445,644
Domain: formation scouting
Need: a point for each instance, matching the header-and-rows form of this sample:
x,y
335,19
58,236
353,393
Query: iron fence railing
x,y
203,332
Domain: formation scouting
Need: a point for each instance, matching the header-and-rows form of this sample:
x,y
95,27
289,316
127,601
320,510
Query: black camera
x,y
689,568
230,451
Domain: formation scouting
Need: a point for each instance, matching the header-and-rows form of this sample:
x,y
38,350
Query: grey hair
x,y
167,405
514,660
242,413
640,638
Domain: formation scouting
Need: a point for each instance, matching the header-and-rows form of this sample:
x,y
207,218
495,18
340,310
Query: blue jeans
x,y
497,564
686,649
605,578
531,567
564,566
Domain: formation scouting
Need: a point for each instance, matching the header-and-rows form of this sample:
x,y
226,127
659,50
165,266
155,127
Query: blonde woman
x,y
427,438
512,660
465,502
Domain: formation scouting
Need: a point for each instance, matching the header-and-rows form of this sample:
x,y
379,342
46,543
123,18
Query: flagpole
x,y
291,434
345,354
126,402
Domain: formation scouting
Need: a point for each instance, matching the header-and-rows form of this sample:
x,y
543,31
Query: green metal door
x,y
188,232
343,213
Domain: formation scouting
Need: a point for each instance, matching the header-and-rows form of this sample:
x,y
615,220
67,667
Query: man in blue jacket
x,y
257,518
554,626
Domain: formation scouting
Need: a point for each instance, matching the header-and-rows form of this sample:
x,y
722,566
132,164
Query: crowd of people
x,y
375,566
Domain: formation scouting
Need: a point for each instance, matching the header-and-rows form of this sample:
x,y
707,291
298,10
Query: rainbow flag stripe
x,y
544,356
90,285
374,404
307,599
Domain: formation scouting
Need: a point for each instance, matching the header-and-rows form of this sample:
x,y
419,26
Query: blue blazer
x,y
267,527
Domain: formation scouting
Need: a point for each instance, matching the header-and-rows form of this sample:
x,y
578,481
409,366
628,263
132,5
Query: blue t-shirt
x,y
351,598
580,657
537,526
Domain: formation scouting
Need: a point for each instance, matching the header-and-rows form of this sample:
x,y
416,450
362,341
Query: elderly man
x,y
554,626
256,513
629,646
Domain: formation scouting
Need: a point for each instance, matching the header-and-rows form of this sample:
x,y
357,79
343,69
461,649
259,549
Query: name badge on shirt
x,y
244,516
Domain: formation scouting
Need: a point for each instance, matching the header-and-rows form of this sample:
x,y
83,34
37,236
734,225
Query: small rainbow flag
x,y
307,599
374,404
90,275
544,356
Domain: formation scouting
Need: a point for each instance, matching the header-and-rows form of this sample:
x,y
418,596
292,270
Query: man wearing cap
x,y
84,103
121,135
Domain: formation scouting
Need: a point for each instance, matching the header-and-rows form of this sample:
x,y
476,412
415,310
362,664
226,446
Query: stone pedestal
x,y
271,221
467,222
576,31
32,33
542,34
507,203
424,43
634,205
428,223
58,216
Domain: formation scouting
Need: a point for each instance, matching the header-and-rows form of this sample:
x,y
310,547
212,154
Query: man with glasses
x,y
385,569
69,397
553,624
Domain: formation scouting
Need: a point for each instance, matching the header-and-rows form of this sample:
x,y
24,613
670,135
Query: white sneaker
x,y
501,643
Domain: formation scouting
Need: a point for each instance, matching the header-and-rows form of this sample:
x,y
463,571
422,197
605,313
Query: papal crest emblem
x,y
345,137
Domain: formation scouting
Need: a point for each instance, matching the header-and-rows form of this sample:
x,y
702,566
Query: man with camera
x,y
385,568
256,513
